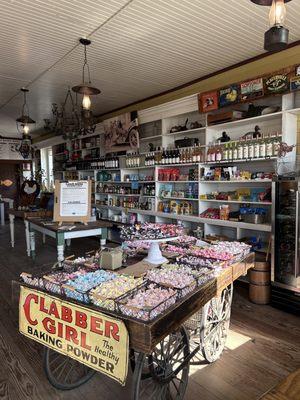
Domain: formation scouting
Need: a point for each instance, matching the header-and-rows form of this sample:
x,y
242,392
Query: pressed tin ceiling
x,y
139,48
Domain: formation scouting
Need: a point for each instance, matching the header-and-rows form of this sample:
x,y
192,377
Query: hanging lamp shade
x,y
277,37
24,119
266,2
86,87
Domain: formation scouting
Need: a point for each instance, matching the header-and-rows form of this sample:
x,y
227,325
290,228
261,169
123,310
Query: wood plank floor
x,y
263,346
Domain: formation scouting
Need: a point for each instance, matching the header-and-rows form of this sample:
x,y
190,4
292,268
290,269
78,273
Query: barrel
x,y
260,283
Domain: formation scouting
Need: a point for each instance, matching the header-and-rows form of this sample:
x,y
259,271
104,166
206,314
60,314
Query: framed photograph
x,y
229,95
298,70
295,83
208,101
252,89
277,84
121,133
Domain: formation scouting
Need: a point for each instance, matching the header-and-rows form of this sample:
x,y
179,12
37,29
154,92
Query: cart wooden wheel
x,y
163,375
64,372
193,327
215,325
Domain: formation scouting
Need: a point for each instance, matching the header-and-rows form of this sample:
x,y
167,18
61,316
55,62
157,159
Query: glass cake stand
x,y
154,253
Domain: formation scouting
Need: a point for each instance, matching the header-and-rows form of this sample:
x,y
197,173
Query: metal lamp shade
x,y
266,2
86,88
25,119
276,38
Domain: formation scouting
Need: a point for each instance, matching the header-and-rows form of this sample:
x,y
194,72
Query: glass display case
x,y
285,234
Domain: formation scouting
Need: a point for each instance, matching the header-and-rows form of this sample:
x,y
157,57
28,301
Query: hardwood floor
x,y
263,346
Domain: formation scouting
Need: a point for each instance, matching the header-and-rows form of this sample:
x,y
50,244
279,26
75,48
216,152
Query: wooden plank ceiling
x,y
139,47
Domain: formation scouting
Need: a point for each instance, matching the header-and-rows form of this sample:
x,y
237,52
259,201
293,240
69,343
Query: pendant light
x,y
86,87
277,37
23,127
24,121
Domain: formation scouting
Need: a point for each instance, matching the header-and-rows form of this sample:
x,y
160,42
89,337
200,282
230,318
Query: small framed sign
x,y
228,95
208,101
72,201
252,89
277,84
295,83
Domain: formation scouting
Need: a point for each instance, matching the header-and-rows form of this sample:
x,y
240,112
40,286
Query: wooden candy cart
x,y
162,349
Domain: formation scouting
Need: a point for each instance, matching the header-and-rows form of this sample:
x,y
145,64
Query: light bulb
x,y
86,102
26,129
277,13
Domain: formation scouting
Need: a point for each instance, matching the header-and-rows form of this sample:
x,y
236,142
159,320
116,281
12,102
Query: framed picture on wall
x,y
121,133
208,101
252,89
295,83
229,95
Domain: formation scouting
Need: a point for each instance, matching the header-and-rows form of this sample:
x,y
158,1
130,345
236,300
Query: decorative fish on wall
x,y
6,183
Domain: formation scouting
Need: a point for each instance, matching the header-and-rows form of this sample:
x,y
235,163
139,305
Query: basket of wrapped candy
x,y
146,301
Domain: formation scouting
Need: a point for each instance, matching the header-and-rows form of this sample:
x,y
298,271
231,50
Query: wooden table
x,y
62,233
23,215
2,204
2,212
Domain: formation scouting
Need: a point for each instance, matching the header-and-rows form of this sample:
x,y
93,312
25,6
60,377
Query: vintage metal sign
x,y
295,83
228,95
252,89
277,83
92,338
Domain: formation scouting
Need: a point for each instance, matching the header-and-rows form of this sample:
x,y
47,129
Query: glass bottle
x,y
219,153
230,152
213,154
235,152
251,149
269,147
262,148
256,149
276,146
177,156
225,153
240,149
246,150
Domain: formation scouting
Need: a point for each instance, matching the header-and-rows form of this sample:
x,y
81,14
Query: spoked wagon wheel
x,y
63,372
167,367
215,324
193,327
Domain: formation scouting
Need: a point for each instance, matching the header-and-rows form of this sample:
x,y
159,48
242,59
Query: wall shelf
x,y
238,182
263,203
176,198
246,121
196,130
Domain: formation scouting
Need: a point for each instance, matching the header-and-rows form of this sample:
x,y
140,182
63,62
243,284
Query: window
x,y
47,166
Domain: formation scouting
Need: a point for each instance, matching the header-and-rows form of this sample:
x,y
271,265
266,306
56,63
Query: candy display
x,y
53,282
146,297
105,294
210,252
232,173
148,231
78,289
183,282
147,302
244,194
196,261
31,280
